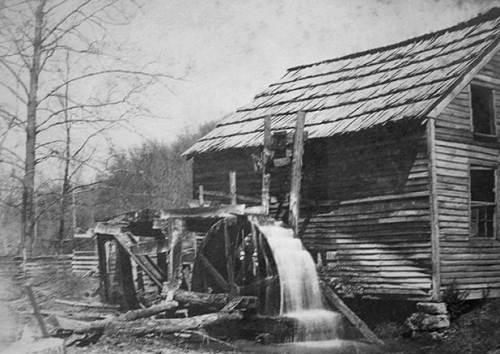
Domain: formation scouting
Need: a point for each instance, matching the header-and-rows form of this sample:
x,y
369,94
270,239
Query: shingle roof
x,y
401,81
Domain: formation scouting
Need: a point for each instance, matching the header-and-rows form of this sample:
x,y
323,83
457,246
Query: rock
x,y
432,308
494,351
425,322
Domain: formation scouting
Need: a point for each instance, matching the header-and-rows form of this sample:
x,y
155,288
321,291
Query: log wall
x,y
472,264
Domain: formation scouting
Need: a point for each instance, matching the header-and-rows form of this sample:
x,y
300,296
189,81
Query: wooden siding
x,y
376,230
473,264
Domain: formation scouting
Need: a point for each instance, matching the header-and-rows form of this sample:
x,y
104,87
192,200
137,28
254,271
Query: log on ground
x,y
77,326
143,327
204,302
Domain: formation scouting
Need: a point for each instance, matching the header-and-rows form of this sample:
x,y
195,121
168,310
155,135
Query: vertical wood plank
x,y
232,187
175,229
433,199
201,197
103,268
296,173
266,155
229,259
161,253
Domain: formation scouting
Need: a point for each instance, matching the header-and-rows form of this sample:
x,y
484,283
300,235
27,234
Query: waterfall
x,y
299,285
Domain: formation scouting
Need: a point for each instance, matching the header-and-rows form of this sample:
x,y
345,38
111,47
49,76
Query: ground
x,y
476,331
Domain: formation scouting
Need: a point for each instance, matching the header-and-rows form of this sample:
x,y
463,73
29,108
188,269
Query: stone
x,y
432,308
424,322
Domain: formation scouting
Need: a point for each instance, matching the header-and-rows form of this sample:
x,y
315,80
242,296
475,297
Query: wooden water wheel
x,y
235,258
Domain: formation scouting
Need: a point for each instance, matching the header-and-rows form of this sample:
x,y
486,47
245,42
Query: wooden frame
x,y
493,121
484,166
434,210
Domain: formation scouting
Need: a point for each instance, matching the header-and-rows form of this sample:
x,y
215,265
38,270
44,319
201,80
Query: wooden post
x,y
232,187
176,228
102,266
201,197
36,311
335,301
266,155
161,254
296,173
433,199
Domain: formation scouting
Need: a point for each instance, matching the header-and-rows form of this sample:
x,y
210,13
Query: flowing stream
x,y
299,286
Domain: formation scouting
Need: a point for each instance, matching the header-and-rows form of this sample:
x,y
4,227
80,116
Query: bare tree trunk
x,y
67,161
28,211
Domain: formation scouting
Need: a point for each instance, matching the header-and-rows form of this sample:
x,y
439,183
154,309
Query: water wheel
x,y
235,258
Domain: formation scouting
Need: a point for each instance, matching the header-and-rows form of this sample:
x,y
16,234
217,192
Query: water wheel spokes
x,y
235,258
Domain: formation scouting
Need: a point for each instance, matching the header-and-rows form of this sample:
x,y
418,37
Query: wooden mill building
x,y
400,168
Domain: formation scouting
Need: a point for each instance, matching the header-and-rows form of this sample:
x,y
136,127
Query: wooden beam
x,y
229,258
219,279
175,230
242,198
357,322
266,155
232,187
201,196
296,173
433,201
102,266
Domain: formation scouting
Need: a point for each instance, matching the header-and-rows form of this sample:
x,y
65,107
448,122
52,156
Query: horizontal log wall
x,y
376,230
83,262
473,264
44,265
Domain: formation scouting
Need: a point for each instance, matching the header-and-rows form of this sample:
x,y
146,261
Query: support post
x,y
201,196
436,265
232,187
176,228
161,254
102,266
266,155
296,173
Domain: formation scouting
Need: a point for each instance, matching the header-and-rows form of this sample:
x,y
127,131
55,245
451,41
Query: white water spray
x,y
299,286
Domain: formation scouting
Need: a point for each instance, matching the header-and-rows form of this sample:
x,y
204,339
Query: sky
x,y
229,50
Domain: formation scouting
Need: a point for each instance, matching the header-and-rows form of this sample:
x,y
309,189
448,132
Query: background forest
x,y
152,175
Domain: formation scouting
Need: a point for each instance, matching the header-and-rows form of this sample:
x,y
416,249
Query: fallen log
x,y
96,305
204,302
85,316
212,302
77,326
149,311
143,327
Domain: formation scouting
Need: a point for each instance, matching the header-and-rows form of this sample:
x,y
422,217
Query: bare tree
x,y
36,40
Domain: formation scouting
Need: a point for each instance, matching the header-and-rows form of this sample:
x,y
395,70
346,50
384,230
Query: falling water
x,y
299,286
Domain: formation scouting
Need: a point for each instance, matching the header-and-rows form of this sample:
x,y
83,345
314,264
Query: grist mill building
x,y
400,165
